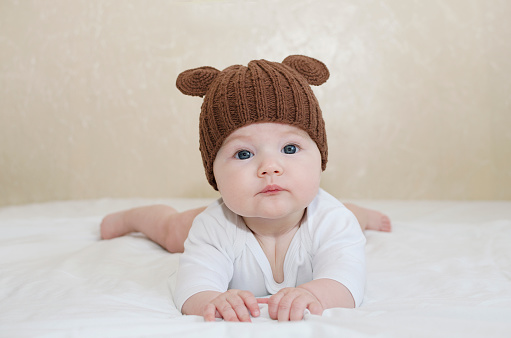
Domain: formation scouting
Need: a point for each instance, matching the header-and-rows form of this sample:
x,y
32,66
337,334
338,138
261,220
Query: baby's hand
x,y
233,306
290,304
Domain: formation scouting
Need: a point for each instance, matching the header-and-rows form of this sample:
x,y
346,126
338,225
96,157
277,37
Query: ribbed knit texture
x,y
262,92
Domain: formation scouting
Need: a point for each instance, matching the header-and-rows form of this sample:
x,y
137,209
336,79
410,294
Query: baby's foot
x,y
377,221
370,219
113,226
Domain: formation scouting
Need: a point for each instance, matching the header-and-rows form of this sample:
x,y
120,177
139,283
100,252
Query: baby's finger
x,y
297,308
250,302
273,304
240,309
285,308
227,312
262,300
209,313
315,308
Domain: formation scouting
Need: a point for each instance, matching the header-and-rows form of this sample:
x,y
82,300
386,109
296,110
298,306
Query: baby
x,y
274,232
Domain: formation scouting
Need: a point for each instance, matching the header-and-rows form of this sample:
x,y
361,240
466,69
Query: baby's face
x,y
268,170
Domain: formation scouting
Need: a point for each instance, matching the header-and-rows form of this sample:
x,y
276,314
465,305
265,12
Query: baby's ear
x,y
195,82
314,71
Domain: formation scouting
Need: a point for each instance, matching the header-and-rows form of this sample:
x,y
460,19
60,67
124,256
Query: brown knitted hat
x,y
262,92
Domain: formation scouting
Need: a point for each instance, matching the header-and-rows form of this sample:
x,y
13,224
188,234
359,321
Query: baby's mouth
x,y
271,189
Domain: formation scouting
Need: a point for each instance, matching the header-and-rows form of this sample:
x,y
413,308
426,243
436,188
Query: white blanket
x,y
445,270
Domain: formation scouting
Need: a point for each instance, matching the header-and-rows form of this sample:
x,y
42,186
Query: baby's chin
x,y
275,216
270,212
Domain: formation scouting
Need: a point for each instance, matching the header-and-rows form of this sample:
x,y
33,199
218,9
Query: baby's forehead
x,y
266,128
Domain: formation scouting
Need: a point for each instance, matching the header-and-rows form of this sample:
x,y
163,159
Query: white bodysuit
x,y
221,253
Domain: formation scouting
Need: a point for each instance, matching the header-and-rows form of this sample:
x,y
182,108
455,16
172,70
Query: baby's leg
x,y
370,219
160,223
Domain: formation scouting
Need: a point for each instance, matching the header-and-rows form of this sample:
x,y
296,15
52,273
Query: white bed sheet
x,y
445,270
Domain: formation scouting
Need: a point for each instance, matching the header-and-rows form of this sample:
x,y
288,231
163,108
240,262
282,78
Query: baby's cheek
x,y
309,188
233,201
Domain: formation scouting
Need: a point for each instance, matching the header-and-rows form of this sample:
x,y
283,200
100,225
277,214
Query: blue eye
x,y
243,155
290,149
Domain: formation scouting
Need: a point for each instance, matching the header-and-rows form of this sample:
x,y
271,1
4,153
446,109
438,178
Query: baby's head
x,y
262,92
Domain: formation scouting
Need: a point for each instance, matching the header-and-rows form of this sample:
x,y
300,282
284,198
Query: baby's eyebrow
x,y
238,138
301,135
235,142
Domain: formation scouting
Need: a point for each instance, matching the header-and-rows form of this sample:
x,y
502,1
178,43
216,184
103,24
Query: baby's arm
x,y
330,293
232,305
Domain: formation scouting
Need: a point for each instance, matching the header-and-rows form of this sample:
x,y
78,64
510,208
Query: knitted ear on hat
x,y
314,71
195,82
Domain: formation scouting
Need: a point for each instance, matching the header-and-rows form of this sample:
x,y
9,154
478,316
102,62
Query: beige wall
x,y
418,105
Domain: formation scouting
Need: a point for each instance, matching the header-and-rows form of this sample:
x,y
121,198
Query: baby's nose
x,y
270,167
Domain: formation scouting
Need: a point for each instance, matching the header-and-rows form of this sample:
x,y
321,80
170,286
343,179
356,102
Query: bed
x,y
445,270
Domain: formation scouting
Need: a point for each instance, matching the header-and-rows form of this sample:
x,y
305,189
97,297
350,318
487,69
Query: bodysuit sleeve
x,y
339,250
207,261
